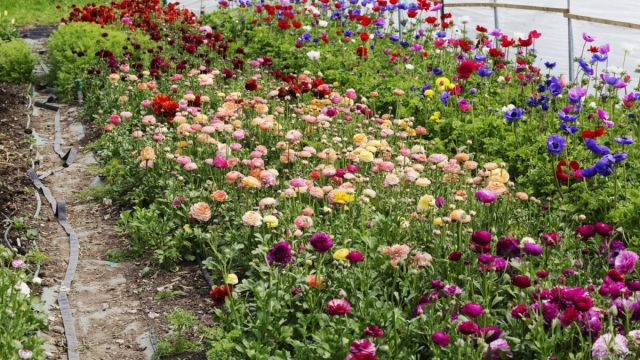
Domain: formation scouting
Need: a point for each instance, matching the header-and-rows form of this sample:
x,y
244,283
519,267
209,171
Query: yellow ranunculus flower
x,y
436,116
231,279
250,182
426,202
341,254
270,220
365,156
437,221
342,197
429,93
359,138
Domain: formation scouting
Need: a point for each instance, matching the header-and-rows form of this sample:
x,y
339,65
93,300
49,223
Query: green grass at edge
x,y
41,12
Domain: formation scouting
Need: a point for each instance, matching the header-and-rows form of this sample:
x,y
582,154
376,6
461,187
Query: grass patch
x,y
41,12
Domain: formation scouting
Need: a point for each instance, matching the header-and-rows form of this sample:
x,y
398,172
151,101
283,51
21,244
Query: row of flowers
x,y
338,230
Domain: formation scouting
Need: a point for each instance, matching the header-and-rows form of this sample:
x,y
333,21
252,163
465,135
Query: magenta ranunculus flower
x,y
586,231
532,249
440,338
520,311
626,261
355,256
280,253
362,346
521,281
321,242
481,237
486,196
338,307
374,331
604,229
468,328
472,309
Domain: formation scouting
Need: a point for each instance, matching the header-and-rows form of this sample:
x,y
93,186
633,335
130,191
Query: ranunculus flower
x,y
355,256
440,338
362,346
586,231
200,211
373,331
468,328
280,253
521,281
604,229
472,310
321,242
486,196
481,237
338,307
626,261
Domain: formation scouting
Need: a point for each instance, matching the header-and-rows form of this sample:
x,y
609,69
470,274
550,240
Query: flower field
x,y
360,192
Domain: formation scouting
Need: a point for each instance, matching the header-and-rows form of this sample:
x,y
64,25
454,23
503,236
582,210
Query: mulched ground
x,y
16,193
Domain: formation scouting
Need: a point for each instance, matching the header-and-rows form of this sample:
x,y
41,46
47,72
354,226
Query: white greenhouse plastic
x,y
583,15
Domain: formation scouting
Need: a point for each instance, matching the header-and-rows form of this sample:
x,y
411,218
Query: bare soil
x,y
115,313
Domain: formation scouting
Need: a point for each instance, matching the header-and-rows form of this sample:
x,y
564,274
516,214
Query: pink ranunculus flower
x,y
362,347
486,196
626,261
338,307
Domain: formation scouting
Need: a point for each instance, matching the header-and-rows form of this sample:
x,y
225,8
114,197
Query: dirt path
x,y
109,320
115,313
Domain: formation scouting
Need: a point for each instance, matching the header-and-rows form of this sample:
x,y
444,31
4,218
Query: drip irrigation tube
x,y
70,155
205,272
74,251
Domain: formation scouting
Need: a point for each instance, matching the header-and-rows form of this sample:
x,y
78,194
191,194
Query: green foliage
x,y
179,341
8,30
16,62
168,294
36,12
72,50
19,323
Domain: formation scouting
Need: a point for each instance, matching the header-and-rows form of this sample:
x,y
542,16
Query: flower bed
x,y
336,227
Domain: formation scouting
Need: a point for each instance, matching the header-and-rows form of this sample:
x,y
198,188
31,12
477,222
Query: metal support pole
x,y
496,23
399,23
442,10
570,38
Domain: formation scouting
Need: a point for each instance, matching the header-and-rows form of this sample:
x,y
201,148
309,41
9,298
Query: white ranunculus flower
x,y
409,67
323,23
464,19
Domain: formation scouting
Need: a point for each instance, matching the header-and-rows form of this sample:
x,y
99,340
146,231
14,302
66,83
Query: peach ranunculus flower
x,y
397,253
252,218
200,211
313,281
421,259
219,195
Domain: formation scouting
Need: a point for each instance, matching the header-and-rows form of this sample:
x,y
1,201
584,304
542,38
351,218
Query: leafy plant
x,y
16,62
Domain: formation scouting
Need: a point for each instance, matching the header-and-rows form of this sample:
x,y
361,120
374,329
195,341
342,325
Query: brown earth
x,y
115,313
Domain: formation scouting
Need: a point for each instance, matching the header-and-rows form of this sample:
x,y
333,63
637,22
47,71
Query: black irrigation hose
x,y
70,155
74,251
205,272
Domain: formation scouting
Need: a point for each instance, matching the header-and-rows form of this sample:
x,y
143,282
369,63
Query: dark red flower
x,y
251,85
220,293
521,281
568,316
